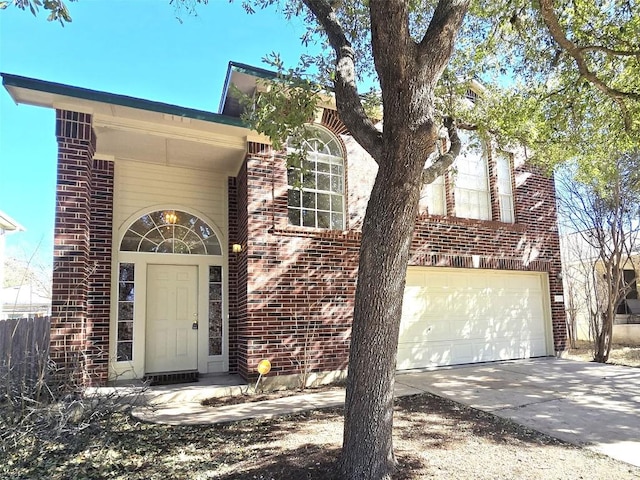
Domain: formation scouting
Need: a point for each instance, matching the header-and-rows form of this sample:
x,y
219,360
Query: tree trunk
x,y
384,254
603,337
408,72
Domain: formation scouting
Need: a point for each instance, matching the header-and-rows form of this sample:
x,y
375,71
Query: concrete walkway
x,y
597,406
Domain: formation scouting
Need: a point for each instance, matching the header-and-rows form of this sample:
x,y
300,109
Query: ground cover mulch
x,y
261,396
434,438
621,354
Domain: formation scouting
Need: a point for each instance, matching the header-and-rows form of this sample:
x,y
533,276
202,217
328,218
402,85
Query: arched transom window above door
x,y
171,231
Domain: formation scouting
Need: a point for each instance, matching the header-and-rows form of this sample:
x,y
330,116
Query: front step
x,y
170,378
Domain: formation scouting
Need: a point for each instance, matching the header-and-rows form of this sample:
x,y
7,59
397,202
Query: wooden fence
x,y
24,351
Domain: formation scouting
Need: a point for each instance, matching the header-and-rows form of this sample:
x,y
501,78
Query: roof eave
x,y
9,224
15,83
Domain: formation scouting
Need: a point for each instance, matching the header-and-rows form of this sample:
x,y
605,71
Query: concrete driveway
x,y
589,404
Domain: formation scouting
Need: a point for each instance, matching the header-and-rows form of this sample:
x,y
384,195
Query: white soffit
x,y
125,132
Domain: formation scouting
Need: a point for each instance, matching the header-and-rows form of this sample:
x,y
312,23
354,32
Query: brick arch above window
x,y
171,231
332,121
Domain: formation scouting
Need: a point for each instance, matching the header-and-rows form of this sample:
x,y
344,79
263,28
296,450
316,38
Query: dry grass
x,y
434,438
628,355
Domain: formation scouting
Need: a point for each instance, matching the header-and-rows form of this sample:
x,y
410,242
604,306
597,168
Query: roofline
x,y
255,71
7,221
243,68
17,81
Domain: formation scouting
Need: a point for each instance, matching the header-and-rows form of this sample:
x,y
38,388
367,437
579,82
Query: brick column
x,y
558,313
99,295
255,218
232,273
71,269
238,289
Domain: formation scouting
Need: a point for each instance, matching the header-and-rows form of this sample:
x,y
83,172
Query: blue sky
x,y
135,48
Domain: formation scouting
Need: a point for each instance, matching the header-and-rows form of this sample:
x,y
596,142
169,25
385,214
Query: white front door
x,y
172,309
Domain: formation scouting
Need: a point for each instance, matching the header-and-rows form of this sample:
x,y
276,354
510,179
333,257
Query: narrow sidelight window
x,y
215,310
505,189
124,343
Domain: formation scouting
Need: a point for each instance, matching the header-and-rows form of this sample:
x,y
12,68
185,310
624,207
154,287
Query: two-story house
x,y
184,245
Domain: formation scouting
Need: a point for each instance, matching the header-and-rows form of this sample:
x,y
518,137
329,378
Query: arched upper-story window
x,y
316,187
171,231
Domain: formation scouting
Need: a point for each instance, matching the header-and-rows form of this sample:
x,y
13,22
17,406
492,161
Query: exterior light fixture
x,y
236,248
170,217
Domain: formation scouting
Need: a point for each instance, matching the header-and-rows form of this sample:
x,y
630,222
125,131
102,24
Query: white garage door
x,y
454,316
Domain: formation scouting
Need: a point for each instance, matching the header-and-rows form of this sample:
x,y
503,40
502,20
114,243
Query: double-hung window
x,y
505,189
472,196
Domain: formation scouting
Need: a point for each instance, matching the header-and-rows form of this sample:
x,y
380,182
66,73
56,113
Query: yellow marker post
x,y
263,368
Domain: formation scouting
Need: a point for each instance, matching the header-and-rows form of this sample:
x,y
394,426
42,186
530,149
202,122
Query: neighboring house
x,y
183,245
25,301
7,225
579,263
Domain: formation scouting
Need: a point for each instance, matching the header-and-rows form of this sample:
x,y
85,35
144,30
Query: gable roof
x,y
143,130
245,78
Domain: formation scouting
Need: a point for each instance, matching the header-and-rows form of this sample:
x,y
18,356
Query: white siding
x,y
143,186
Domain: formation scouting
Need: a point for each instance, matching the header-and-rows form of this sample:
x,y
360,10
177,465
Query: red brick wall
x,y
238,233
237,192
82,254
97,335
232,274
300,283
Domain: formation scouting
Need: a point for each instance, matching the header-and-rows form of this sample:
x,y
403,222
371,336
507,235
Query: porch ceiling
x,y
170,140
142,130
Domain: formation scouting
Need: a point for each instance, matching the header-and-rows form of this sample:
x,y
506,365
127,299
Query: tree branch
x,y
444,161
555,29
391,41
609,51
436,46
348,101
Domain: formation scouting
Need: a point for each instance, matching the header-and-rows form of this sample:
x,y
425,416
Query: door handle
x,y
194,325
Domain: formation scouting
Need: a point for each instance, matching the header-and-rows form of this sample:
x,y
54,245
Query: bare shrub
x,y
54,408
302,356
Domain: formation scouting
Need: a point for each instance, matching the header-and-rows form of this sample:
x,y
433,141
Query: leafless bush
x,y
54,408
601,222
302,355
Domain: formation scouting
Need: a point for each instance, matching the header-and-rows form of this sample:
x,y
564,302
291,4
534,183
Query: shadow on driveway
x,y
589,404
